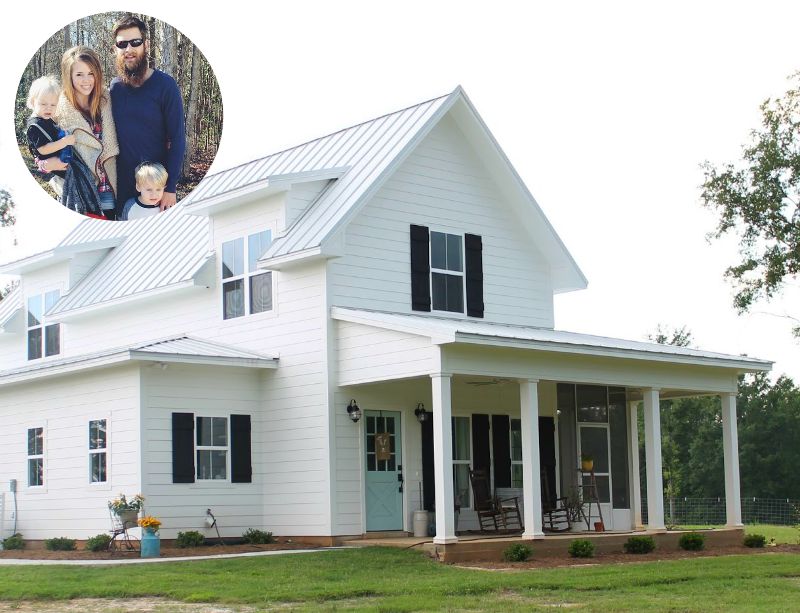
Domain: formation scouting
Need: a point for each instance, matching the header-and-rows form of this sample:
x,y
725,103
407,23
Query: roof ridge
x,y
313,140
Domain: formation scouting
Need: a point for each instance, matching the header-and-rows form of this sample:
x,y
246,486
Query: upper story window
x,y
245,288
43,339
447,272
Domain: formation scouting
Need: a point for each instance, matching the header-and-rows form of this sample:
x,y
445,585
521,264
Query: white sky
x,y
605,109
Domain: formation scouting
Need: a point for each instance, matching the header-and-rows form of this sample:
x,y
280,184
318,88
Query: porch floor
x,y
489,547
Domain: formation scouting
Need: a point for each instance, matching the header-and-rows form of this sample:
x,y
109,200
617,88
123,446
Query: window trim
x,y
462,273
227,448
104,450
41,487
43,325
246,276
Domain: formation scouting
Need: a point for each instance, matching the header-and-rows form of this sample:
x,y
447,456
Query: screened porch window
x,y
516,453
462,456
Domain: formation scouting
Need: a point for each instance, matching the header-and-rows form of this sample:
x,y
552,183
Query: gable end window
x,y
43,339
446,272
246,290
211,448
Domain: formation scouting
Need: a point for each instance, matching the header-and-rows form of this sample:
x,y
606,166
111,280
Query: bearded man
x,y
148,112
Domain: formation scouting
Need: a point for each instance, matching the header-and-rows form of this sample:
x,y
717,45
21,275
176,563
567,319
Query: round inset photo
x,y
118,116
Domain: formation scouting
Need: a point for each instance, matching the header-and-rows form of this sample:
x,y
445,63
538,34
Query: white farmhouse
x,y
207,357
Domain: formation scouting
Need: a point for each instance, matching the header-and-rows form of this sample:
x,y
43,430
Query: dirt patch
x,y
166,552
626,558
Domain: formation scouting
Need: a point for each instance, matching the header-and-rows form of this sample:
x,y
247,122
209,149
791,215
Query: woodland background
x,y
170,51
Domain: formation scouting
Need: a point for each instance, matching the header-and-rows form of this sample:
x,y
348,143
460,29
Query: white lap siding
x,y
67,504
442,185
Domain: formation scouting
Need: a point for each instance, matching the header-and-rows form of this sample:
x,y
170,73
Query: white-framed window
x,y
462,460
447,272
98,451
515,433
245,288
212,445
43,339
35,457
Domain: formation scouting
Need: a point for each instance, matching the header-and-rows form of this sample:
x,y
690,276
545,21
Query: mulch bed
x,y
627,558
166,552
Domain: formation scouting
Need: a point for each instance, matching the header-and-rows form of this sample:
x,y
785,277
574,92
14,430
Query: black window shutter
x,y
420,269
473,252
183,448
241,464
502,450
480,442
428,476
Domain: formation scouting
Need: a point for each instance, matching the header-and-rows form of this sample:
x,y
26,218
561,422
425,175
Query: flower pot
x,y
128,518
151,543
587,465
599,527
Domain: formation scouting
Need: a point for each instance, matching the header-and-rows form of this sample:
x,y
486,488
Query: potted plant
x,y
587,462
573,504
151,544
127,510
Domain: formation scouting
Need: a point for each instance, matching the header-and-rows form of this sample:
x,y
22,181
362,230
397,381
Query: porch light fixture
x,y
421,413
353,411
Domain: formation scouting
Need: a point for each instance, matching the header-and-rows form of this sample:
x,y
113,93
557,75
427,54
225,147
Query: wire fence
x,y
711,511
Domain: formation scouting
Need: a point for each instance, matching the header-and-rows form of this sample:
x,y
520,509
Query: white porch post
x,y
730,445
443,459
652,446
531,471
633,454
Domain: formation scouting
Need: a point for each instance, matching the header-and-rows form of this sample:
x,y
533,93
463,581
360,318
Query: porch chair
x,y
493,512
555,516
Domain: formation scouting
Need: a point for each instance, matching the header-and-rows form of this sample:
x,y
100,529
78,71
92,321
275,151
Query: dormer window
x,y
43,339
245,288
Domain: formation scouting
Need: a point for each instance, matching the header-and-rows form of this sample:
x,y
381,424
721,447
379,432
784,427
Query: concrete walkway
x,y
223,556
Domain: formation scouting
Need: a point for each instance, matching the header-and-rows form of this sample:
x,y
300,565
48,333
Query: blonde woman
x,y
84,110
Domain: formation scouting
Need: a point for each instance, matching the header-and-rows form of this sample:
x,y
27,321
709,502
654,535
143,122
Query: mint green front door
x,y
384,470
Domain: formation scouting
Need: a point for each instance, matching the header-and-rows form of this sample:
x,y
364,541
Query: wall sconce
x,y
353,411
421,413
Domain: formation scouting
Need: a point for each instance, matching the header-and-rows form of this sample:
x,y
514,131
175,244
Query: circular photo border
x,y
124,125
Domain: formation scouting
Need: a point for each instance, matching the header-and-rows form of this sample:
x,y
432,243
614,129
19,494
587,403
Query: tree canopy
x,y
758,199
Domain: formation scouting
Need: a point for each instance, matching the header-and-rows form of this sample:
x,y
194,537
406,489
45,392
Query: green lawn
x,y
396,580
782,534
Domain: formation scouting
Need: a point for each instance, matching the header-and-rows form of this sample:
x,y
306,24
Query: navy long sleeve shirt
x,y
150,128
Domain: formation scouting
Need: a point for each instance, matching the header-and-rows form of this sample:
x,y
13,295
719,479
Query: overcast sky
x,y
605,109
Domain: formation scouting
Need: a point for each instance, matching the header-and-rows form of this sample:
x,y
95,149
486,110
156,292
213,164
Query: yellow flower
x,y
150,522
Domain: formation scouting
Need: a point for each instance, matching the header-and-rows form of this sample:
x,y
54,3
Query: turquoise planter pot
x,y
151,543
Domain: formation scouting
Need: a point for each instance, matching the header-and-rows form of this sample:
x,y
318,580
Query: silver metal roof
x,y
444,329
366,150
160,251
189,346
10,305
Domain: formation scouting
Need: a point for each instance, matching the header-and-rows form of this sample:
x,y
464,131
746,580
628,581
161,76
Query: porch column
x,y
531,471
730,446
652,447
633,454
443,459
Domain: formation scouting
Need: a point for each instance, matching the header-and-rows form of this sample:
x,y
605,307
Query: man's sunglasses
x,y
134,42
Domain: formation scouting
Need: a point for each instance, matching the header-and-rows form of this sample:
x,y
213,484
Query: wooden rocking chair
x,y
493,512
555,515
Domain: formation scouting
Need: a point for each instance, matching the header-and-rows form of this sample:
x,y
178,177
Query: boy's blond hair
x,y
152,172
41,86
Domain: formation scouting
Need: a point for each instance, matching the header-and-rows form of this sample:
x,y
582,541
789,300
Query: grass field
x,y
395,580
782,534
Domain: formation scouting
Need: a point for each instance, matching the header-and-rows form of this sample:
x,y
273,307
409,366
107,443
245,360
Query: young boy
x,y
151,178
45,138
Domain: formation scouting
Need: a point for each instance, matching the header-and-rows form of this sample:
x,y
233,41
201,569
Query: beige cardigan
x,y
86,145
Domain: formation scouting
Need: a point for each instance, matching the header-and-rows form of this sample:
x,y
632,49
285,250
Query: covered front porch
x,y
521,404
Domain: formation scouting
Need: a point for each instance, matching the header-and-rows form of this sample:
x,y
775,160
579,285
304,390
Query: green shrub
x,y
14,542
640,544
99,542
60,543
191,538
692,541
754,540
518,552
257,537
581,548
